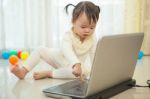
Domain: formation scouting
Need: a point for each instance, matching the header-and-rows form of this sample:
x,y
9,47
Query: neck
x,y
82,39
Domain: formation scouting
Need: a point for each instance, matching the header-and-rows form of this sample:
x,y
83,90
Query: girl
x,y
78,43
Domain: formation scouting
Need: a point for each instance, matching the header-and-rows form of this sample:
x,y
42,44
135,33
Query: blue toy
x,y
140,55
5,54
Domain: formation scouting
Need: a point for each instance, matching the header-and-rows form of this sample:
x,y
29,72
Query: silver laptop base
x,y
106,94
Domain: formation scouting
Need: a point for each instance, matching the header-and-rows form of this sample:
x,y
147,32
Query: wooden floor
x,y
12,88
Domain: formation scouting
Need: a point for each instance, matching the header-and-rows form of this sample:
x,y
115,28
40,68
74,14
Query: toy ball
x,y
24,55
140,54
19,54
13,52
5,54
13,60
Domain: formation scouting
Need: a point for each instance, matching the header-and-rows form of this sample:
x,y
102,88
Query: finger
x,y
81,77
78,75
75,74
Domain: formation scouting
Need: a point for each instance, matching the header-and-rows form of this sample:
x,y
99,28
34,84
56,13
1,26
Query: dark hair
x,y
90,9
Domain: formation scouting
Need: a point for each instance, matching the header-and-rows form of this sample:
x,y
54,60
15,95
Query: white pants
x,y
53,58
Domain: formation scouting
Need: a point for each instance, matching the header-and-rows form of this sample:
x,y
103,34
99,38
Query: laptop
x,y
114,62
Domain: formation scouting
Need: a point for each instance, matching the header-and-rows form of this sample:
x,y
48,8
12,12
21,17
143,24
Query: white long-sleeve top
x,y
76,51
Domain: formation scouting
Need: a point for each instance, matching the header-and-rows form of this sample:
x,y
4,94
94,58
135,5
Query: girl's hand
x,y
77,71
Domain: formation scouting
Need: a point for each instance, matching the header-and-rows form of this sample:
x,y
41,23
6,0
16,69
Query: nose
x,y
87,30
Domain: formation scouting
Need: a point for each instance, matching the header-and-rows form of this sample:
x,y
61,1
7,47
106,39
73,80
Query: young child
x,y
78,43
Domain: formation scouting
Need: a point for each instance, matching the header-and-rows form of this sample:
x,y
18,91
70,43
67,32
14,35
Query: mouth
x,y
85,35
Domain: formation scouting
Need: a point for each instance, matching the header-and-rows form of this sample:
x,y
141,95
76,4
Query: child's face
x,y
82,26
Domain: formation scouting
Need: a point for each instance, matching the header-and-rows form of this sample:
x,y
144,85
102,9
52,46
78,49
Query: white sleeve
x,y
68,51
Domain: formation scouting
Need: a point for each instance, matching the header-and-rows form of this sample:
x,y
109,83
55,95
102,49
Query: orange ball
x,y
13,60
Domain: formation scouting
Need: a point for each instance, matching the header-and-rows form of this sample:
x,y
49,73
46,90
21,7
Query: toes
x,y
13,69
36,75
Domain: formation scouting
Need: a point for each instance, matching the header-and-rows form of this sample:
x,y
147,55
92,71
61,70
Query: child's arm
x,y
70,55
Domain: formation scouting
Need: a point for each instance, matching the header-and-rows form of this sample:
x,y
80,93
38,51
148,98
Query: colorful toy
x,y
13,52
24,55
140,55
13,60
19,54
5,54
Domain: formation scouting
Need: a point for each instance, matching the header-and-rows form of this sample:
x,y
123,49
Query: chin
x,y
84,37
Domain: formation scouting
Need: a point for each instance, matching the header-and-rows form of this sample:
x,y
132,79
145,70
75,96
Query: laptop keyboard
x,y
75,87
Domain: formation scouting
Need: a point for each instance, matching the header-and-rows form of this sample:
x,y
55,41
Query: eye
x,y
83,27
92,28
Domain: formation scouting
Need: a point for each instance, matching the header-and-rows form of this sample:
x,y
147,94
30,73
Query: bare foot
x,y
19,72
42,74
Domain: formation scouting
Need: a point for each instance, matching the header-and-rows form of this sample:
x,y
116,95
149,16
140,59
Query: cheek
x,y
92,31
79,29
